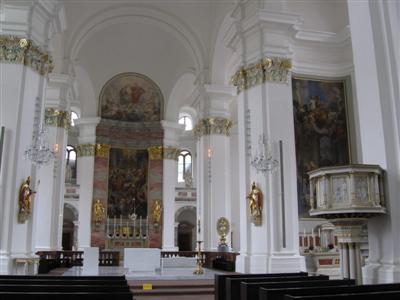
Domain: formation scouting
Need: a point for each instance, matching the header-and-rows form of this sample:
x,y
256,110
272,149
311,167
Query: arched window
x,y
74,116
186,120
184,165
70,170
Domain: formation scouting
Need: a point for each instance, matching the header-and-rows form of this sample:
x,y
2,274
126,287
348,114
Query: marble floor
x,y
159,274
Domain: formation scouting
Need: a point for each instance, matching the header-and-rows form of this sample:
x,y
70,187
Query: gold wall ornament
x,y
255,198
223,228
98,211
18,50
171,152
58,118
86,150
157,212
103,150
155,153
275,69
25,200
212,125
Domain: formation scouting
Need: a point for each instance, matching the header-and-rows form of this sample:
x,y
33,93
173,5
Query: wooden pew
x,y
63,288
250,290
59,282
220,287
66,296
233,284
51,277
386,295
278,294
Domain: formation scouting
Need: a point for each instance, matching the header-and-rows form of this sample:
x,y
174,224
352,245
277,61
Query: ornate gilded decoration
x,y
255,198
212,125
155,153
98,211
86,150
23,51
103,150
157,211
274,69
223,228
25,200
171,153
56,117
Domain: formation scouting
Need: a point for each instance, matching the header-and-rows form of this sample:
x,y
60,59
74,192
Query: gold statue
x,y
223,228
25,200
98,209
157,209
255,201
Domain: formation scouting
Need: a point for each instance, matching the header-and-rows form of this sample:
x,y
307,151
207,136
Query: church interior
x,y
255,136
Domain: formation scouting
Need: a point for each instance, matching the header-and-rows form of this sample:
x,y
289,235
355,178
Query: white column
x,y
213,155
345,262
352,261
75,244
170,173
85,175
341,255
49,208
375,44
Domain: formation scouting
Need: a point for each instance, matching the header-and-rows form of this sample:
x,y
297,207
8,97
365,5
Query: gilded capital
x,y
18,50
58,118
86,150
171,153
103,150
212,125
155,153
275,69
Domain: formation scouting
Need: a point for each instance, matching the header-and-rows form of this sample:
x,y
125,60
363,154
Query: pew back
x,y
387,295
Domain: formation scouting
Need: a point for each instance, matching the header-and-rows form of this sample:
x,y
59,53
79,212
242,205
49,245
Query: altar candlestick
x,y
115,223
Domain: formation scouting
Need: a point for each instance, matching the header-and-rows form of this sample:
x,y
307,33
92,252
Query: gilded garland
x,y
267,69
212,125
18,50
58,118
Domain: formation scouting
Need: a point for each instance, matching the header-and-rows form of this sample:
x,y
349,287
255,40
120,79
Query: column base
x,y
259,263
380,273
5,264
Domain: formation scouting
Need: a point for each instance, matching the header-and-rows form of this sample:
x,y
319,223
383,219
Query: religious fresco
x,y
321,129
127,183
131,97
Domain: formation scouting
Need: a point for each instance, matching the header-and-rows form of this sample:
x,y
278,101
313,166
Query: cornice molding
x,y
18,50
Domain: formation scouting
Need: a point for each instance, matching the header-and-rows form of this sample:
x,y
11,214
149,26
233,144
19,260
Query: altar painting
x,y
131,97
127,183
321,129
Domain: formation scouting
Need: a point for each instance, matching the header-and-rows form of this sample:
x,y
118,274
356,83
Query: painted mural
x,y
131,97
320,122
127,183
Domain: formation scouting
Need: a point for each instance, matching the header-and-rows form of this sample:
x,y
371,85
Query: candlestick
x,y
147,226
115,223
140,226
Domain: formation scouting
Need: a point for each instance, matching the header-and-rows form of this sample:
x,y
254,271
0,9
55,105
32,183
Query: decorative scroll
x,y
18,50
171,153
213,125
103,150
155,153
274,69
86,150
58,118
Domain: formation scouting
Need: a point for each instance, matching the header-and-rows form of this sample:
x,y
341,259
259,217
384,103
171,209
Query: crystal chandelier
x,y
39,152
263,161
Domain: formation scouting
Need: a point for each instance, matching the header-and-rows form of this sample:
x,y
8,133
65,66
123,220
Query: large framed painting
x,y
320,108
127,183
131,97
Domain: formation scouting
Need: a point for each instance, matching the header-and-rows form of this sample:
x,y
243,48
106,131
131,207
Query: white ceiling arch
x,y
126,13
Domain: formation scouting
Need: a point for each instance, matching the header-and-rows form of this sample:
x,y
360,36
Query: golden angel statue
x,y
98,209
25,200
157,210
256,202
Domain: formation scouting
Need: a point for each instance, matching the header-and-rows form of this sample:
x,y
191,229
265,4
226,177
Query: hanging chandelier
x,y
263,161
39,152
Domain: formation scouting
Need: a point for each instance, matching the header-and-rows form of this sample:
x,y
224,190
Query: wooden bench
x,y
66,295
219,279
250,290
59,282
278,294
63,288
58,277
233,284
389,295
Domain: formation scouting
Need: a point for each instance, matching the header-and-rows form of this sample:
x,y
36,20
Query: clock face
x,y
223,226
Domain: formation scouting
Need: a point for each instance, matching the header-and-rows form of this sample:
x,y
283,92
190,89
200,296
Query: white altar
x,y
90,261
142,259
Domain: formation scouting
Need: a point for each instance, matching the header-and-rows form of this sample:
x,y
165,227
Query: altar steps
x,y
173,289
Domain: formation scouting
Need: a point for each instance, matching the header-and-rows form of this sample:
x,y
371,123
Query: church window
x,y
184,165
70,170
186,120
74,116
